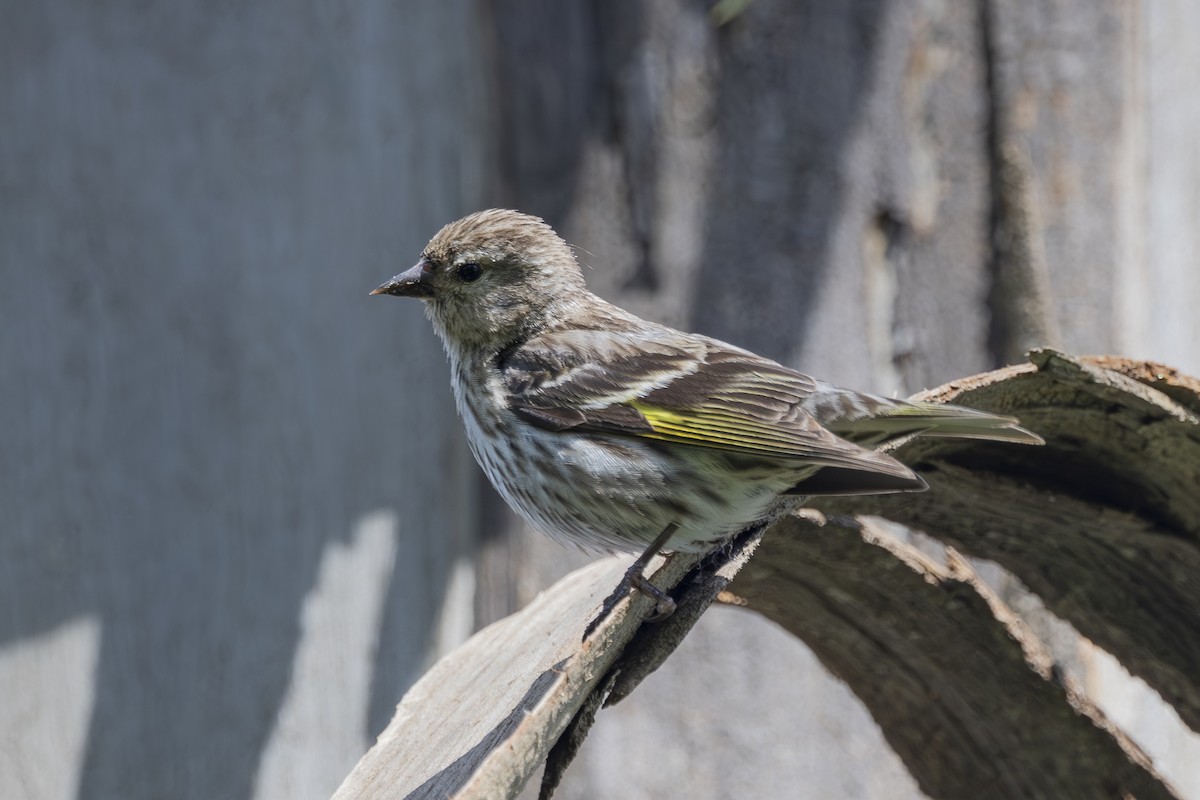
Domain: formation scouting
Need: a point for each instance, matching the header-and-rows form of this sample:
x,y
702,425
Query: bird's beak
x,y
412,283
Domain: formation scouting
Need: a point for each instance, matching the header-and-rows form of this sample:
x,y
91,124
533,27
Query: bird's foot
x,y
664,605
636,580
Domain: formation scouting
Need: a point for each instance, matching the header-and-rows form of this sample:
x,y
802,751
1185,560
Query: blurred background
x,y
237,515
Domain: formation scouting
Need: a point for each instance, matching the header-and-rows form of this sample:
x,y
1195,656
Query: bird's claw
x,y
664,604
634,580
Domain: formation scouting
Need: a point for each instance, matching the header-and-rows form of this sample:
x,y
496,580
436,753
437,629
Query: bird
x,y
620,434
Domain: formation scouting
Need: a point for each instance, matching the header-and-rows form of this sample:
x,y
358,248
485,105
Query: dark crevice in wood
x,y
448,781
1071,472
894,229
1018,295
565,749
631,128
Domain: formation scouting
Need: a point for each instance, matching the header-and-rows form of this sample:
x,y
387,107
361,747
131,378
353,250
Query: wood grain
x,y
964,691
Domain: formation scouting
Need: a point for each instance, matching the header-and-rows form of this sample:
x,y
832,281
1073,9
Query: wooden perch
x,y
963,691
1102,524
487,715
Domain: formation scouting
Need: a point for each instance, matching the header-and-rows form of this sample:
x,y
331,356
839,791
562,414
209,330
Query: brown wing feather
x,y
685,390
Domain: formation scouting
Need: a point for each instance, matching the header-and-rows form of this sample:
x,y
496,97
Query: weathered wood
x,y
485,717
651,645
480,722
1102,523
964,692
201,413
1064,106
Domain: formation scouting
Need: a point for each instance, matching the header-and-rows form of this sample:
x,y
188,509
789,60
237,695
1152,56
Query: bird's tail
x,y
880,420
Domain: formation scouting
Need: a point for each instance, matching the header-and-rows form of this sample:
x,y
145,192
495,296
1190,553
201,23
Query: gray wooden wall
x,y
233,496
889,195
236,515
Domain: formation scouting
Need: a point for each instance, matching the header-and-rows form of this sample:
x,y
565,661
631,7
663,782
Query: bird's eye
x,y
469,272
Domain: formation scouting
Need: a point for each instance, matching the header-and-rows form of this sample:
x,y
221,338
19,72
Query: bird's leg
x,y
664,606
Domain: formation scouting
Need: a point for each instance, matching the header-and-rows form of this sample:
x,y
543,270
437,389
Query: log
x,y
1102,523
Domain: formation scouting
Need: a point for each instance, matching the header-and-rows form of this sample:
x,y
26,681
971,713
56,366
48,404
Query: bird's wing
x,y
870,421
687,390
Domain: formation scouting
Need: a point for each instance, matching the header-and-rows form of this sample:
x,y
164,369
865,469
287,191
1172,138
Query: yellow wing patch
x,y
707,427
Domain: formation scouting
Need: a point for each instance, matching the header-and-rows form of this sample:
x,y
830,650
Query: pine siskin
x,y
620,434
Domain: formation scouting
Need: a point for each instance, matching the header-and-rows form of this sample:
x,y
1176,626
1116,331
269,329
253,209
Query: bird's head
x,y
492,277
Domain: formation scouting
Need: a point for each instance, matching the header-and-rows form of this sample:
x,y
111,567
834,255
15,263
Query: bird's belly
x,y
619,493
